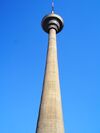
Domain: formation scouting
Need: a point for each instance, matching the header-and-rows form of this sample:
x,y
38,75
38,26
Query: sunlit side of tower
x,y
50,119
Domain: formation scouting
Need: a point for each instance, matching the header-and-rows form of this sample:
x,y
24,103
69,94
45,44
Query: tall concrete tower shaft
x,y
50,118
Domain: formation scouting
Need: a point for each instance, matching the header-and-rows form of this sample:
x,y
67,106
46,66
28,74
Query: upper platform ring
x,y
52,21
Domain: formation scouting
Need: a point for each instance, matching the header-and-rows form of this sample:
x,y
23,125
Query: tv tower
x,y
50,119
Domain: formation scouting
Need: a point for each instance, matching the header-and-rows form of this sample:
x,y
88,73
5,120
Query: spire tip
x,y
52,6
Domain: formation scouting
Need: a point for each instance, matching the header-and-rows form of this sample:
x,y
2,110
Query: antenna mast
x,y
52,6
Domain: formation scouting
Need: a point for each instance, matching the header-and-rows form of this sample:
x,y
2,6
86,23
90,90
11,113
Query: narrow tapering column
x,y
50,118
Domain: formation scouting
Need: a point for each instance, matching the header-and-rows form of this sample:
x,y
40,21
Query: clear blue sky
x,y
23,46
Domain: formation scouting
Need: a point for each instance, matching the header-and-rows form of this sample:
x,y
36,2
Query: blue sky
x,y
23,46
